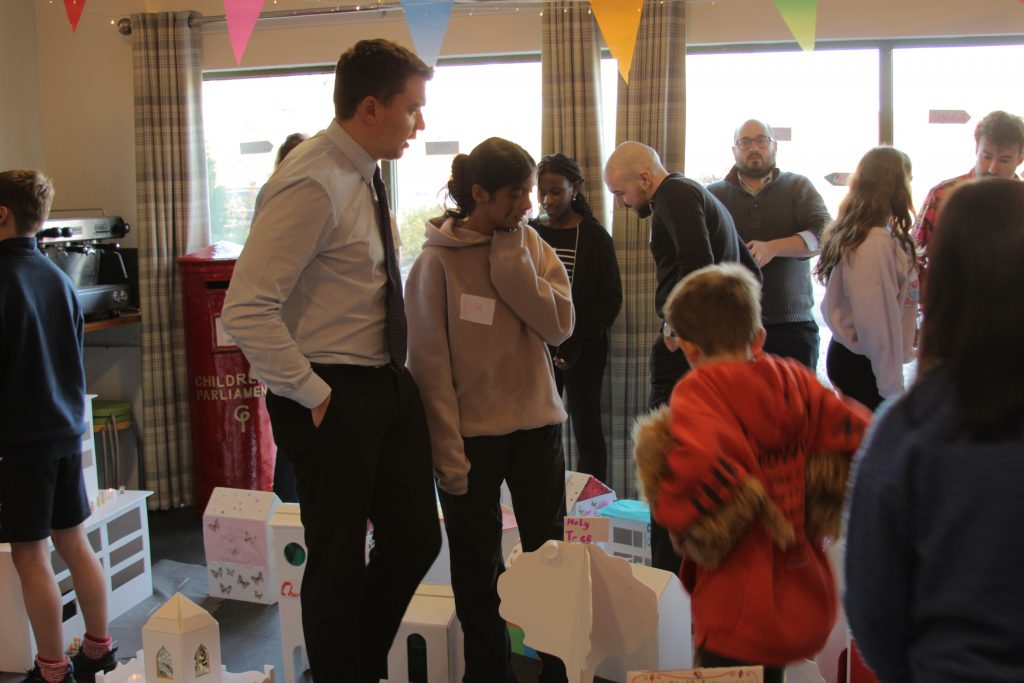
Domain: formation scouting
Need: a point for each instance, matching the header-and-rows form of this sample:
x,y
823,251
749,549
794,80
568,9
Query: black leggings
x,y
851,373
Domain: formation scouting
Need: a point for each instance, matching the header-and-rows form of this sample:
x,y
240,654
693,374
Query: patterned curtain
x,y
651,110
173,220
571,121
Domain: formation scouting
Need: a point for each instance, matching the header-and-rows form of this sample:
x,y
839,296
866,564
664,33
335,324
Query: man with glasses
x,y
780,217
998,151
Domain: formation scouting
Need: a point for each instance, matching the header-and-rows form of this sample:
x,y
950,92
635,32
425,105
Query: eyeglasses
x,y
762,142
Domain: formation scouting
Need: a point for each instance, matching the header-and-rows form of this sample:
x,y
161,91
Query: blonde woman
x,y
867,263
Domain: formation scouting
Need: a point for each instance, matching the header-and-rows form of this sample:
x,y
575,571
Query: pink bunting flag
x,y
74,11
241,16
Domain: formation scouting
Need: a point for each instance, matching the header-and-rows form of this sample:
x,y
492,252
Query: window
x,y
945,81
466,103
824,105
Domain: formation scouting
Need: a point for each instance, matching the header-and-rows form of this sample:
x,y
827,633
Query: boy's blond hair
x,y
718,308
28,195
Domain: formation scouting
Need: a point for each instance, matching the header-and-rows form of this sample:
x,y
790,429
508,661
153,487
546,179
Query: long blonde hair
x,y
879,195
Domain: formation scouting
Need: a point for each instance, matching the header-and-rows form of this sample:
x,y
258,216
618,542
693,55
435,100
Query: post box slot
x,y
218,284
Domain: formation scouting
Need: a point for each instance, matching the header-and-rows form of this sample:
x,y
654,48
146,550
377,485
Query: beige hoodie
x,y
481,311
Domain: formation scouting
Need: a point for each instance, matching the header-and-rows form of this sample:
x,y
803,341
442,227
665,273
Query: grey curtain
x,y
173,220
651,110
571,121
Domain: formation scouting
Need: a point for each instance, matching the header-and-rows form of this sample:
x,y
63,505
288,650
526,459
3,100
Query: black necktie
x,y
395,332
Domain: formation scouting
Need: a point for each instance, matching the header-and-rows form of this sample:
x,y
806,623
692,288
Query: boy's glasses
x,y
761,141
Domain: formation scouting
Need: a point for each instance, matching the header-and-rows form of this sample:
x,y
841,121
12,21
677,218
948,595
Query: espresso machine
x,y
88,251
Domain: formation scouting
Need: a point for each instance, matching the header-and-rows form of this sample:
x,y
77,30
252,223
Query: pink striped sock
x,y
53,671
94,648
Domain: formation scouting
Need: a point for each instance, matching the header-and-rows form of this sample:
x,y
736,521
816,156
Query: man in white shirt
x,y
315,303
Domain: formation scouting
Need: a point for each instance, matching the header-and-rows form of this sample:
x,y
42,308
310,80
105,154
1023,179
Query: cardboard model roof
x,y
179,615
241,504
287,515
580,486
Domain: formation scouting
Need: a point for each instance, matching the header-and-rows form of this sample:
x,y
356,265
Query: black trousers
x,y
794,340
532,463
667,368
369,459
582,384
851,373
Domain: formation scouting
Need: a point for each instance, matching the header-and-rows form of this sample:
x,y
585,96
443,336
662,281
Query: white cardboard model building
x,y
585,494
670,645
181,642
577,603
236,538
630,531
290,562
430,616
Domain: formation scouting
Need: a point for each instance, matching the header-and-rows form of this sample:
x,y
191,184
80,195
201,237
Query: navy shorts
x,y
37,496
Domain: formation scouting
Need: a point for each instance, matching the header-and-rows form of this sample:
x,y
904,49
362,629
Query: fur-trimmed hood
x,y
732,419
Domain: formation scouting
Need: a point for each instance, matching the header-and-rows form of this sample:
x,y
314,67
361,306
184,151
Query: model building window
x,y
202,661
164,665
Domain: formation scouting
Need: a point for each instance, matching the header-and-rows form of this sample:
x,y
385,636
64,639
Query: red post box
x,y
232,443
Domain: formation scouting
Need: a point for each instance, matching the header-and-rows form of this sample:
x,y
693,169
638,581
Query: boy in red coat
x,y
747,469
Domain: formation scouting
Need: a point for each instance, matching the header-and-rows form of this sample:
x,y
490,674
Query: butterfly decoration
x,y
258,579
259,596
249,538
242,582
230,571
225,590
217,572
234,552
215,526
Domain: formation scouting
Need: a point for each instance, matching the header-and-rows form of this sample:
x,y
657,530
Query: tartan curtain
x,y
173,220
571,123
651,110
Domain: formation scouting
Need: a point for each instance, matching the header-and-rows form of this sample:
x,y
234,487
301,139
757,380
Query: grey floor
x,y
250,635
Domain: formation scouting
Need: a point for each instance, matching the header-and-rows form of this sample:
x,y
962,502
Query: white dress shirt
x,y
310,284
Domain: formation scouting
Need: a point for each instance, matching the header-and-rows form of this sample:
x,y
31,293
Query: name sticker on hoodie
x,y
477,309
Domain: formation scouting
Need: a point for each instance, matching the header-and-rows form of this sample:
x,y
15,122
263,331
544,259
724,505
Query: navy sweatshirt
x,y
42,378
933,560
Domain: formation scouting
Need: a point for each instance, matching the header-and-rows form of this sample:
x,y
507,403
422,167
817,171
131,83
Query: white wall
x,y
21,143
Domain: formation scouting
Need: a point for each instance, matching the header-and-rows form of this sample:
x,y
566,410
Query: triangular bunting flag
x,y
801,16
241,16
619,21
428,22
74,11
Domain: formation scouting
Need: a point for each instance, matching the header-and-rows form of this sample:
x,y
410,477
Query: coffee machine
x,y
87,250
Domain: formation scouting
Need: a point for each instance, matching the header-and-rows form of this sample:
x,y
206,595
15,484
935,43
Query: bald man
x,y
690,229
780,217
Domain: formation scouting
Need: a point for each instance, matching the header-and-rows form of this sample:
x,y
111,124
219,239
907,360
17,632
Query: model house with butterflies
x,y
240,564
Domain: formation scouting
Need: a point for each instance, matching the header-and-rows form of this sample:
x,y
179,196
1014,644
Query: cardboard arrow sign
x,y
948,116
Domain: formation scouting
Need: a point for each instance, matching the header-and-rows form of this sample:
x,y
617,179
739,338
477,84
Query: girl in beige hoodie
x,y
484,299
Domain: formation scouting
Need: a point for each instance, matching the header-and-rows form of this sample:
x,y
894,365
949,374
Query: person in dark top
x,y
42,419
933,587
690,229
781,216
588,254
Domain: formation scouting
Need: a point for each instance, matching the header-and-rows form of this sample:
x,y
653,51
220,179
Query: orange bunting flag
x,y
619,21
241,16
801,16
74,11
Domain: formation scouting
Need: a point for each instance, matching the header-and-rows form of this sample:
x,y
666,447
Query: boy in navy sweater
x,y
42,419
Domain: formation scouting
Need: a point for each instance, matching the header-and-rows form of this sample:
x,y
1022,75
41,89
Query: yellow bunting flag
x,y
619,21
801,16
